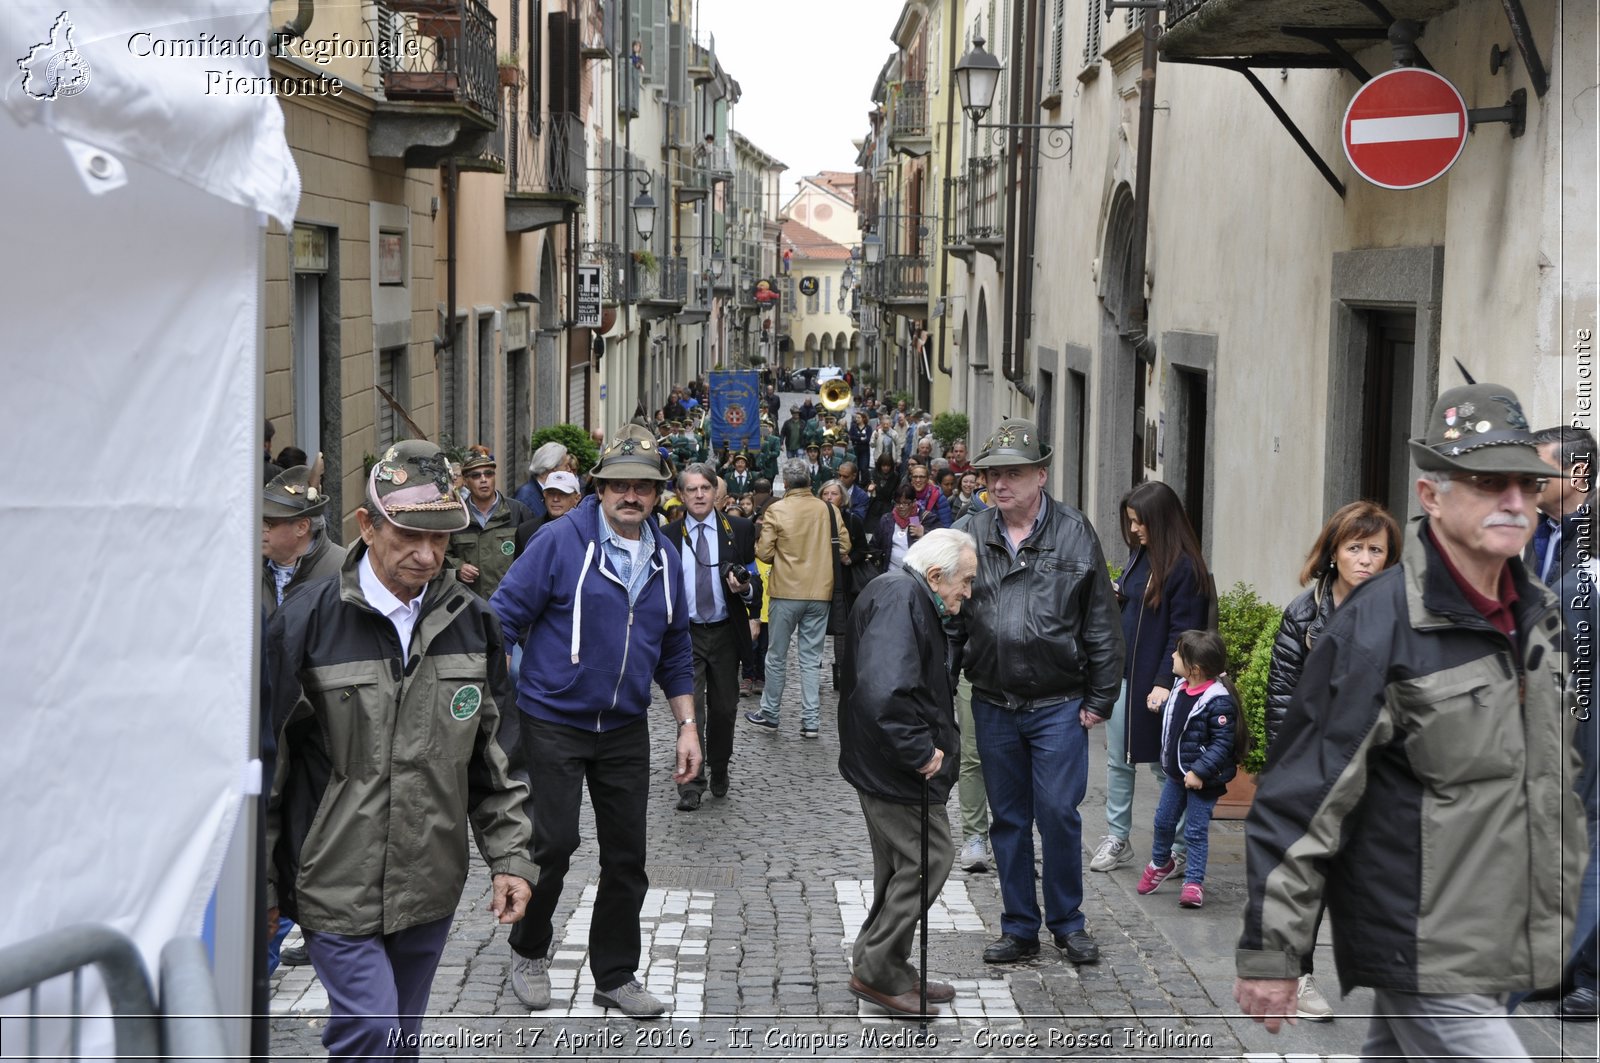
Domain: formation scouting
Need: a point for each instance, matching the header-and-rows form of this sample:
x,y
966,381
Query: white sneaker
x,y
1313,1006
975,854
1113,853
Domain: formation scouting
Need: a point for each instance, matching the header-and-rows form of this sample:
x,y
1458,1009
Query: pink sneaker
x,y
1193,895
1154,876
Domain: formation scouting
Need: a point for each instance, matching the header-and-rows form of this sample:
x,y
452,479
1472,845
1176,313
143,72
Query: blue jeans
x,y
1180,802
1120,775
787,617
1036,770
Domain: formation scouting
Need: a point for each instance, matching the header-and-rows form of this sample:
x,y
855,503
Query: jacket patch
x,y
508,547
464,705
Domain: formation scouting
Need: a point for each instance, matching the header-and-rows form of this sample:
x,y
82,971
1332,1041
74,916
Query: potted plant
x,y
510,71
1248,627
647,261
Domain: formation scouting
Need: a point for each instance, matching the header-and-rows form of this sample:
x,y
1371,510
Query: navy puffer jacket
x,y
1205,745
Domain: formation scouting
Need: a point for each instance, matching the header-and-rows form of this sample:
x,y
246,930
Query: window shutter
x,y
1091,40
1057,37
677,72
655,67
535,61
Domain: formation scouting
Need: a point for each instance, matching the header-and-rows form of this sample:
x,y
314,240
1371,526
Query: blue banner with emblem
x,y
735,409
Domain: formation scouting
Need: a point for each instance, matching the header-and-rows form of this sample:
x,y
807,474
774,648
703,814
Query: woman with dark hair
x,y
902,526
885,479
1358,542
861,439
1164,590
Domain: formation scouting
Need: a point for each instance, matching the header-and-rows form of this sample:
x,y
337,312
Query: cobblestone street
x,y
756,898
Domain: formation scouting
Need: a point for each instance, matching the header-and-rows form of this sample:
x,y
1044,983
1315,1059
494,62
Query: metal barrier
x,y
186,1026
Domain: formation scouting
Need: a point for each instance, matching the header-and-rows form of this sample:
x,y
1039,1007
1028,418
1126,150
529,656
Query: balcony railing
x,y
1181,9
905,278
984,222
613,269
550,163
454,62
910,115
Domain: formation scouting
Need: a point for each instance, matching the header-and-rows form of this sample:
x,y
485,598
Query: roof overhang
x,y
1284,33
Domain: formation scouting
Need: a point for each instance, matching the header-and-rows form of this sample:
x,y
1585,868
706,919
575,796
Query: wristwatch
x,y
686,723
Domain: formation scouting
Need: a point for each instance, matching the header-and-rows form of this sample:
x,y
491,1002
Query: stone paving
x,y
756,898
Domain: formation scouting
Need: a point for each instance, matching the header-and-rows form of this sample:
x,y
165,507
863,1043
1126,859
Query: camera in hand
x,y
740,574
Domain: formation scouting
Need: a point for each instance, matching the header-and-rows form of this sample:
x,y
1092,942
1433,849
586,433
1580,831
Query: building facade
x,y
1162,255
478,164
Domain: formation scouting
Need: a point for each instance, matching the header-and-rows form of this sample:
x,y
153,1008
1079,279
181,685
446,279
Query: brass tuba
x,y
835,396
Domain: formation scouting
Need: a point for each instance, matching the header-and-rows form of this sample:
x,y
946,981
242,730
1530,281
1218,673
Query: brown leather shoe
x,y
905,1004
938,992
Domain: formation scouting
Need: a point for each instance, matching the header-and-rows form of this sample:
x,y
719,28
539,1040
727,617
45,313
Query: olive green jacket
x,y
378,766
492,547
322,561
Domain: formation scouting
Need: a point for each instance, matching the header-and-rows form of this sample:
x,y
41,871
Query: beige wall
x,y
339,182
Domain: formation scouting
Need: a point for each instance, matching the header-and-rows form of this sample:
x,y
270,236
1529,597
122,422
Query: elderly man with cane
x,y
899,746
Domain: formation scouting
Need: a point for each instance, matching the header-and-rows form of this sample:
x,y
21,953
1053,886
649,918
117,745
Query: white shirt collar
x,y
403,615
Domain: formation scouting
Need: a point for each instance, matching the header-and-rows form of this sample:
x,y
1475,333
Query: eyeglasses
x,y
480,474
626,487
1495,483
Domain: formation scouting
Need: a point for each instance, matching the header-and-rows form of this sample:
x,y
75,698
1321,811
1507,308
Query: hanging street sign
x,y
589,295
1405,128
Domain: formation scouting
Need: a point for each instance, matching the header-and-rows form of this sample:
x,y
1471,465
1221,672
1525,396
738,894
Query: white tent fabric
x,y
129,406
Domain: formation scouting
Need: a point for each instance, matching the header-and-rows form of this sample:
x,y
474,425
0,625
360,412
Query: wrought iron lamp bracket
x,y
1055,144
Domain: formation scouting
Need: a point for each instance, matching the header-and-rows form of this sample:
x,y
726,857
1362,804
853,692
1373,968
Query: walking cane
x,y
922,983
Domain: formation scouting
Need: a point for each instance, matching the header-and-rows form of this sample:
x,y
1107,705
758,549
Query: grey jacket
x,y
1422,786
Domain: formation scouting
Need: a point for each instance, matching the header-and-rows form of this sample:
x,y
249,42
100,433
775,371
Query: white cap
x,y
561,481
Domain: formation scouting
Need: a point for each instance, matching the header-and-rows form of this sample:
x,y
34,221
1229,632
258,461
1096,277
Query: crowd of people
x,y
1423,779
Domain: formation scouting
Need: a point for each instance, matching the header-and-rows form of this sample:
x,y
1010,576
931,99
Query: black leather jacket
x,y
1303,620
1043,627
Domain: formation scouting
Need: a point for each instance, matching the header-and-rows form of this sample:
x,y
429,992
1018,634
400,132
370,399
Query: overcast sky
x,y
805,70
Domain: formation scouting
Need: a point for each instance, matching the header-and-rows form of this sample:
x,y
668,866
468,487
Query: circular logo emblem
x,y
508,547
464,706
68,73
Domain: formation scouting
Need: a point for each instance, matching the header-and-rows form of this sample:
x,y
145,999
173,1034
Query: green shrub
x,y
897,397
1248,626
575,439
1252,686
949,427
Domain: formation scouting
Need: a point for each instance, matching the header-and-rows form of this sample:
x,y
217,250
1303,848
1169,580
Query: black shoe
x,y
1580,1005
1079,947
719,784
294,956
1011,949
689,801
760,720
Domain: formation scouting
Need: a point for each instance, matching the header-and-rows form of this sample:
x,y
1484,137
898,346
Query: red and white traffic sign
x,y
1405,128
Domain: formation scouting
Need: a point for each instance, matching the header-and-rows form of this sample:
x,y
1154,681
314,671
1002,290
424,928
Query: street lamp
x,y
872,248
718,263
977,77
644,215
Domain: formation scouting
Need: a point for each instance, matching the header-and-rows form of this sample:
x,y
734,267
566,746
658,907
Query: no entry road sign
x,y
1405,128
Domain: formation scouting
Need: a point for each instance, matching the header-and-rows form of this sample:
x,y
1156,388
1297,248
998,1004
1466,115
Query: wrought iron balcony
x,y
545,175
442,98
613,265
908,119
905,284
664,290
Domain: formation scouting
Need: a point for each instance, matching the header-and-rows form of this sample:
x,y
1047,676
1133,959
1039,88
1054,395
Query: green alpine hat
x,y
410,485
290,496
633,455
1014,442
1478,428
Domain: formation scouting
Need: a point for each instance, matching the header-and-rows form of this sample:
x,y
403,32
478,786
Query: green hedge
x,y
1248,627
